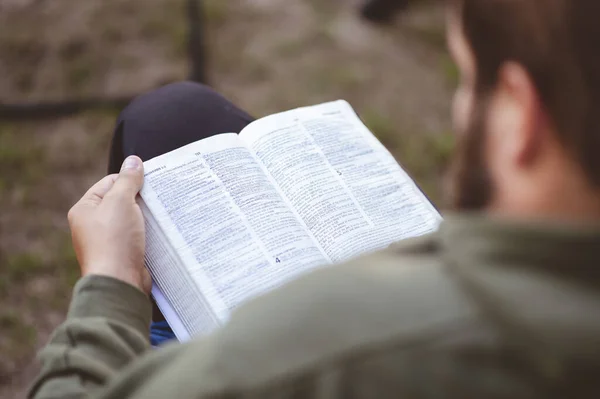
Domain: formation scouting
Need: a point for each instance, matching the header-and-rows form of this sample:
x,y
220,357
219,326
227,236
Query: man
x,y
502,302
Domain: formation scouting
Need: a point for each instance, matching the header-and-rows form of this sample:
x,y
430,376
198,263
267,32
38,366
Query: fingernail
x,y
131,162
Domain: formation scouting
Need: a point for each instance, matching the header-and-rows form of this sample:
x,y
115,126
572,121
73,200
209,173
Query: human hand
x,y
107,227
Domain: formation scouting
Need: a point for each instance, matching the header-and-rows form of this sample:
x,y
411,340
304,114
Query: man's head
x,y
527,110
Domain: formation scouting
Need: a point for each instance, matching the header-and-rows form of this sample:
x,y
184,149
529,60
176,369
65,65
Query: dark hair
x,y
558,43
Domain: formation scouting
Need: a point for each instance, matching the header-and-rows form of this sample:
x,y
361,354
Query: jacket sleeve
x,y
107,327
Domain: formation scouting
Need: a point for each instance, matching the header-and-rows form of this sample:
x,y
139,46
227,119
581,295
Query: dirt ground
x,y
265,55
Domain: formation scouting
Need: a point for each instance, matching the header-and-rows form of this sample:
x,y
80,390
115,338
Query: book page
x,y
347,188
170,280
234,233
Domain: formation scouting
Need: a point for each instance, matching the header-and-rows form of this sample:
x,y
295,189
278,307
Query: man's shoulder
x,y
407,269
384,299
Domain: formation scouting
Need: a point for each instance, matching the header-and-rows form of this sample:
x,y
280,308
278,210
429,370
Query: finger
x,y
100,189
130,178
93,196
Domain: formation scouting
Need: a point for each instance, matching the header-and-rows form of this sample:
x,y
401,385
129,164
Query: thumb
x,y
130,179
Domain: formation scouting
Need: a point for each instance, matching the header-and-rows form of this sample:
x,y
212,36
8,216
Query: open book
x,y
236,215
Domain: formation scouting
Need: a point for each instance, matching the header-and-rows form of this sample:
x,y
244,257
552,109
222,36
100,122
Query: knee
x,y
185,89
170,98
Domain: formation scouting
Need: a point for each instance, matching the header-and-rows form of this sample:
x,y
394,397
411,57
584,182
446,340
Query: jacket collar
x,y
539,280
568,251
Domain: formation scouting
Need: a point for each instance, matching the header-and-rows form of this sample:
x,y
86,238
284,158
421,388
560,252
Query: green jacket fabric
x,y
479,309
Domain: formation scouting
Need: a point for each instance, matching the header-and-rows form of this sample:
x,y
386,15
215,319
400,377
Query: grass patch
x,y
345,78
433,35
66,260
65,273
256,70
4,286
3,185
424,155
19,266
101,116
337,80
24,80
215,12
4,283
112,34
153,28
73,49
17,339
22,334
168,22
8,319
79,65
321,36
450,71
290,48
22,49
101,123
381,126
178,38
22,54
79,75
21,157
323,9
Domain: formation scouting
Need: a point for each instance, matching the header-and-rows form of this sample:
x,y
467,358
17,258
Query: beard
x,y
470,182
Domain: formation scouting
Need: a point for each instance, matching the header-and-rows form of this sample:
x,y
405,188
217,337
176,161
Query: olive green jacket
x,y
479,309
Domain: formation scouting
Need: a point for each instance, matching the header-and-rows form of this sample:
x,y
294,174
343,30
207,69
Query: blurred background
x,y
68,66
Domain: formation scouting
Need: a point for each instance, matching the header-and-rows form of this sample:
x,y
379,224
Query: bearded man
x,y
503,301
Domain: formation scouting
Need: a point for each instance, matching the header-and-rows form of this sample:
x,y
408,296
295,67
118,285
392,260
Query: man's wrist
x,y
105,296
136,278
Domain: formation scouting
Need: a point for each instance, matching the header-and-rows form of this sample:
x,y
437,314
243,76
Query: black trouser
x,y
171,117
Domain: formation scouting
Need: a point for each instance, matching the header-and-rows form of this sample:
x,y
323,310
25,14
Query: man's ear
x,y
515,117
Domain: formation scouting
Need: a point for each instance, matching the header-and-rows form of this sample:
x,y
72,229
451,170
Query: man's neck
x,y
558,203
